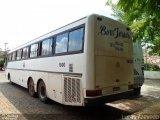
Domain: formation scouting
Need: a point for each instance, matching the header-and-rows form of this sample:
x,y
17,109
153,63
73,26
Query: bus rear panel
x,y
113,57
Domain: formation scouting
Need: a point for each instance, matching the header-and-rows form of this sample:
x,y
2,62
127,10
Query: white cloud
x,y
61,46
24,20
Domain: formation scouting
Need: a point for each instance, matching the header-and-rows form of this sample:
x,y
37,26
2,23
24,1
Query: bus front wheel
x,y
31,89
9,78
42,92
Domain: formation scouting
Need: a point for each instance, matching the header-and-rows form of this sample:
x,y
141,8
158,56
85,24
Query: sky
x,y
24,20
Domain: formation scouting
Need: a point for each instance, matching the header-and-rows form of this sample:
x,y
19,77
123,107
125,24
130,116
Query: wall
x,y
152,74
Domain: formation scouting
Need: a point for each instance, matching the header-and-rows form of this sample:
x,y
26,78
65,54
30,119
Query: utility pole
x,y
5,54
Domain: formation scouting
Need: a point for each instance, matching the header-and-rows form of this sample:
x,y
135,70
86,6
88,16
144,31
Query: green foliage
x,y
143,17
151,67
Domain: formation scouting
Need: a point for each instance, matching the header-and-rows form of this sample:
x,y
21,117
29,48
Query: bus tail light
x,y
93,93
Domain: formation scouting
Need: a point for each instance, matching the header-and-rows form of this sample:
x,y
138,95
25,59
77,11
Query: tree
x,y
143,17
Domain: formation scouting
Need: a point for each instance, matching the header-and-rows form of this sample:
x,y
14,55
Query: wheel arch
x,y
8,76
29,78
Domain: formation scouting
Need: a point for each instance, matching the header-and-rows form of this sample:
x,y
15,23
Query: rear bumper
x,y
109,98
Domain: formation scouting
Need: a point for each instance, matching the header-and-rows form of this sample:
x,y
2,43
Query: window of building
x,y
46,47
25,52
34,50
61,43
19,54
76,40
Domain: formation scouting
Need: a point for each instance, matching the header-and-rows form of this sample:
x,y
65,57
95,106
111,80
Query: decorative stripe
x,y
79,74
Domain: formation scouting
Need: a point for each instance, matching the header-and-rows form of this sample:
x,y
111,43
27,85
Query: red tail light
x,y
93,93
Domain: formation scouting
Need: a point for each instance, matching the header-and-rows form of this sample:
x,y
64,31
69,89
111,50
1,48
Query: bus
x,y
138,67
86,62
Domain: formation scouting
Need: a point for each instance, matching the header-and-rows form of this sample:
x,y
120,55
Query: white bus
x,y
138,67
87,62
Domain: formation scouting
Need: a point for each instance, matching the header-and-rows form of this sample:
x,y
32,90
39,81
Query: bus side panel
x,y
14,77
54,87
138,64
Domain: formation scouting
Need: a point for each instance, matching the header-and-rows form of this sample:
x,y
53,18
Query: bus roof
x,y
44,36
54,32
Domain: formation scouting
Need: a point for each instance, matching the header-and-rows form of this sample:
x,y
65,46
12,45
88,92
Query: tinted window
x,y
46,47
25,53
14,55
33,50
75,40
61,43
19,54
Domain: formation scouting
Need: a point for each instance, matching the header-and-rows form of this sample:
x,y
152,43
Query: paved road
x,y
15,100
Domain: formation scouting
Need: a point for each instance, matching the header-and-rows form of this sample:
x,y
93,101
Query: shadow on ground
x,y
33,109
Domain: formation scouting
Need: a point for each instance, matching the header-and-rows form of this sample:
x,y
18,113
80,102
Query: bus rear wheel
x,y
137,91
31,89
42,92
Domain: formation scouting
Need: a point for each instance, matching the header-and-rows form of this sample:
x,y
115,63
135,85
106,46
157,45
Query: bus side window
x,y
46,47
76,40
14,55
34,50
19,54
25,53
10,57
61,43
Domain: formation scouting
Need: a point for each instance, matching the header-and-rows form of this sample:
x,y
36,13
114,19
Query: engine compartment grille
x,y
72,89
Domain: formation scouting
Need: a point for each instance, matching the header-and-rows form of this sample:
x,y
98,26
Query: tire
x,y
31,89
137,91
9,78
42,92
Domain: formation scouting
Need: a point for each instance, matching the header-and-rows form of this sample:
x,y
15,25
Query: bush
x,y
151,67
